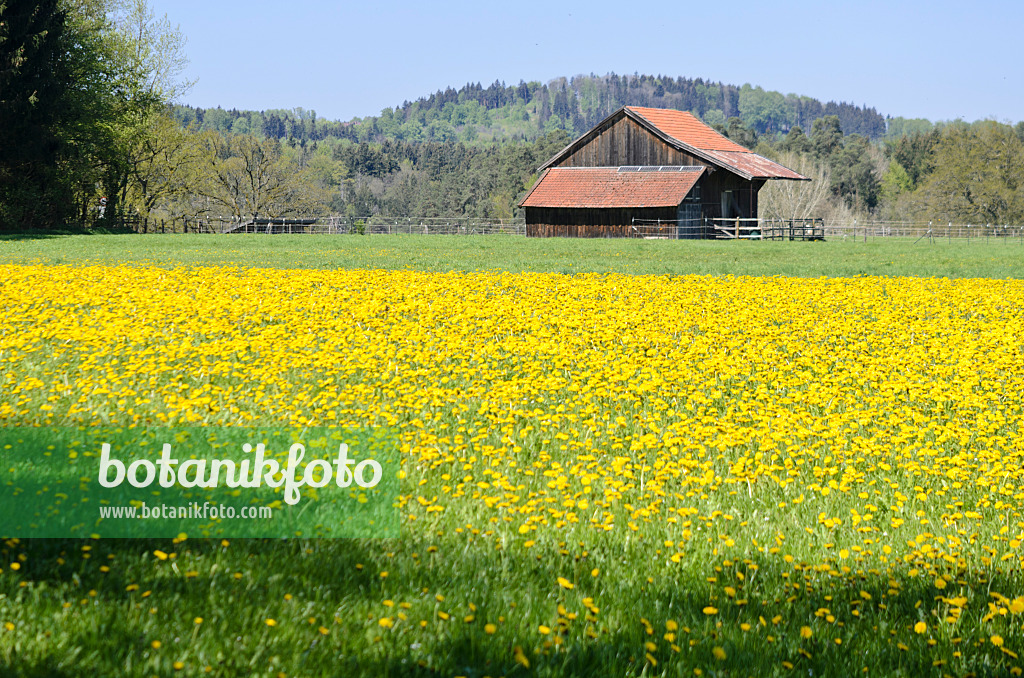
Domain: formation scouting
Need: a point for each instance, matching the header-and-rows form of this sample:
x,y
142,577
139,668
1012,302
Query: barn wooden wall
x,y
547,222
624,142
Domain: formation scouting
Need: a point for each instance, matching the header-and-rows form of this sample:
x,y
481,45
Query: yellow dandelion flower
x,y
920,627
719,653
709,610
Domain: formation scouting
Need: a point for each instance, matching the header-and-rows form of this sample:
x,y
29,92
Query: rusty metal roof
x,y
607,187
754,165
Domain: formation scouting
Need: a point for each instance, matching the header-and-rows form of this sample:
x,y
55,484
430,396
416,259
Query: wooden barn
x,y
648,171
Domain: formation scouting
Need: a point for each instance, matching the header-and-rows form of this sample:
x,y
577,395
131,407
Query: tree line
x,y
530,110
954,172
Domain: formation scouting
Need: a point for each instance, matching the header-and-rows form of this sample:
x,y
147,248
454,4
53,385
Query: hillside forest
x,y
90,133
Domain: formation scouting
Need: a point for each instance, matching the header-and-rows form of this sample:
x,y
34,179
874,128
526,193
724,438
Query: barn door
x,y
688,221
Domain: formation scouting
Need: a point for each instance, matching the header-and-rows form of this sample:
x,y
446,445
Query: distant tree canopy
x,y
527,111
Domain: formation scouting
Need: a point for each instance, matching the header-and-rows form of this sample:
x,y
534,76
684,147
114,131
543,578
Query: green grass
x,y
889,257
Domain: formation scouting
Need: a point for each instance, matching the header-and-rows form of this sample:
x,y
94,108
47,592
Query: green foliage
x,y
766,112
83,85
52,110
978,175
914,153
744,136
797,142
900,127
524,112
895,182
826,136
715,118
853,173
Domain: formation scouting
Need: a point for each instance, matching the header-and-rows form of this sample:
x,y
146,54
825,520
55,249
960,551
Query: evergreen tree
x,y
796,141
826,136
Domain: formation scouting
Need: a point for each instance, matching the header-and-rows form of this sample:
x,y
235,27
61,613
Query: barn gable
x,y
653,136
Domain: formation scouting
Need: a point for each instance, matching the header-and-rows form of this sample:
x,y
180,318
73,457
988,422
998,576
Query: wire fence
x,y
375,225
681,229
820,229
926,232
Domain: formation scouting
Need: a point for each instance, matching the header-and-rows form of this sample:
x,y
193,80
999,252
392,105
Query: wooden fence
x,y
717,229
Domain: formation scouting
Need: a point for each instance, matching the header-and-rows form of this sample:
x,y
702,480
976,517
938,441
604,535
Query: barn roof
x,y
610,187
687,133
687,128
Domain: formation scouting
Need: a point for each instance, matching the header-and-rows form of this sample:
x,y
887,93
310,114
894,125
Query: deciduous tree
x,y
978,176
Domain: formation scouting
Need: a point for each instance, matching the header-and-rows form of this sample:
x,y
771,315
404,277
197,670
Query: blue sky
x,y
939,60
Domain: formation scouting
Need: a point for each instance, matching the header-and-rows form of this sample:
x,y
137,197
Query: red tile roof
x,y
687,128
607,187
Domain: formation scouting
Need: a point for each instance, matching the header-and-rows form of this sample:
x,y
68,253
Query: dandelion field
x,y
604,474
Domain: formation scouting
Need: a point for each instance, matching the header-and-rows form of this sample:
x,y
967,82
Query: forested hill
x,y
529,110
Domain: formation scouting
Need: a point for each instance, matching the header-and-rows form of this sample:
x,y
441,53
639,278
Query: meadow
x,y
958,258
619,458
